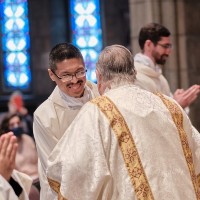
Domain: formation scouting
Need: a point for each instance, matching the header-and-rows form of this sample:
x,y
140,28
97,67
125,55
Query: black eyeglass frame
x,y
72,75
165,46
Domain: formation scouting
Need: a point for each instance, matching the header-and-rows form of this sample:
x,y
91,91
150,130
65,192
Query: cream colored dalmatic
x,y
128,144
51,119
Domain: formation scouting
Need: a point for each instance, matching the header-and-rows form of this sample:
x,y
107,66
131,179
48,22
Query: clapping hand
x,y
186,97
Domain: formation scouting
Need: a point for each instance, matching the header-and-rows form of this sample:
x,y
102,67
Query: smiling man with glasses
x,y
156,46
53,116
69,77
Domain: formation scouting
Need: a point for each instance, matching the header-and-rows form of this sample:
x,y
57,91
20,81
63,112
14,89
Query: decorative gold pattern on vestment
x,y
177,117
198,180
56,187
127,146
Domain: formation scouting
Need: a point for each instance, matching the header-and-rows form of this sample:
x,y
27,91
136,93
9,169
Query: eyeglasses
x,y
165,46
69,77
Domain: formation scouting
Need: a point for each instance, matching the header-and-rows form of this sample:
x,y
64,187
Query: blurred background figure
x,y
16,105
26,156
156,46
13,184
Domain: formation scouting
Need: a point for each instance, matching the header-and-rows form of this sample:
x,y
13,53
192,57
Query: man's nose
x,y
168,51
74,79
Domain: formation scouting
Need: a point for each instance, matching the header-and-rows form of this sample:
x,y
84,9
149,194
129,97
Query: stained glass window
x,y
15,44
86,31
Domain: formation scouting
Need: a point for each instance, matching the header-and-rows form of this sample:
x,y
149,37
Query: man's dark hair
x,y
61,52
153,32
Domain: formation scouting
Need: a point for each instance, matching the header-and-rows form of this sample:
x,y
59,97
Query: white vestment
x,y
7,192
151,80
88,163
149,76
51,119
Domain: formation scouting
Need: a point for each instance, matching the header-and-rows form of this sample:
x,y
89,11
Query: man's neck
x,y
150,56
147,61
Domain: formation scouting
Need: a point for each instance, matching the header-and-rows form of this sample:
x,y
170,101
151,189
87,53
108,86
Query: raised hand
x,y
8,149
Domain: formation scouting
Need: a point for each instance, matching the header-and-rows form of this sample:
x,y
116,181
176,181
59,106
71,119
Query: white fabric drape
x,y
88,164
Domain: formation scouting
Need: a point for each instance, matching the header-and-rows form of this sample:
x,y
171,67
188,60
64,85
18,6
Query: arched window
x,y
15,44
86,31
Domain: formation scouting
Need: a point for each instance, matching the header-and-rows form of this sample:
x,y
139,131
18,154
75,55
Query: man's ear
x,y
51,75
148,46
99,82
98,75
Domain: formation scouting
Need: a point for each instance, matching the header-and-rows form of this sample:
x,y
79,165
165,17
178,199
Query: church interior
x,y
30,28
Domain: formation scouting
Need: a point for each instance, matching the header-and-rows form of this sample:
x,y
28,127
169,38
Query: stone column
x,y
141,13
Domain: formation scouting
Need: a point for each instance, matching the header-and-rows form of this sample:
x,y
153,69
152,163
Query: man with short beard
x,y
156,46
53,116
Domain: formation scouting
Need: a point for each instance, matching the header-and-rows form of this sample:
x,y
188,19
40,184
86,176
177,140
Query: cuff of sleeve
x,y
16,187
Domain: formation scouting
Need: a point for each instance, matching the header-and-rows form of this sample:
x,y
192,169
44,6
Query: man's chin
x,y
164,60
161,62
77,94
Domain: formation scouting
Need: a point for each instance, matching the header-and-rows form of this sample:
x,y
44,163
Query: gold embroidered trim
x,y
178,121
127,146
56,187
198,180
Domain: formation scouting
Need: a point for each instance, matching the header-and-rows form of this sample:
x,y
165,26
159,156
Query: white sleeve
x,y
6,191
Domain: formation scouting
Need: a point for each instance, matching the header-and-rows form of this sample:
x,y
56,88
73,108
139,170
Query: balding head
x,y
115,64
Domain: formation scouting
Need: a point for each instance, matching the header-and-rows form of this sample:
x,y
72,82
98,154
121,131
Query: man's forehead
x,y
71,69
70,64
165,40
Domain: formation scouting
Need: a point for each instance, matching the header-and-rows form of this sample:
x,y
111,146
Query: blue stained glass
x,y
86,31
15,44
